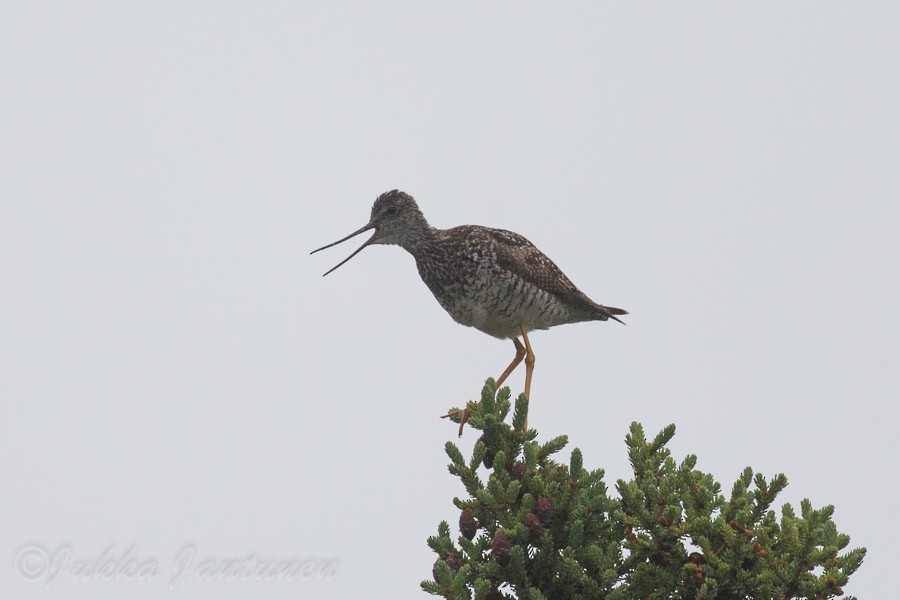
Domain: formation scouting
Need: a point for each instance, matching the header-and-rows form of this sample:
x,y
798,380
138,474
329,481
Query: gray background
x,y
176,371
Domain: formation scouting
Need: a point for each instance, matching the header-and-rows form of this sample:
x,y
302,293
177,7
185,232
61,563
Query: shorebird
x,y
491,279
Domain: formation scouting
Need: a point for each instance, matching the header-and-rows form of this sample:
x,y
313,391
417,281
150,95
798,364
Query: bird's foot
x,y
462,414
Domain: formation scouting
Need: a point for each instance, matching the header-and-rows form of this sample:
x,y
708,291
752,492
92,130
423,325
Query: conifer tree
x,y
534,528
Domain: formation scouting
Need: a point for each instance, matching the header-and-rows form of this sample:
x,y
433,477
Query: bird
x,y
491,279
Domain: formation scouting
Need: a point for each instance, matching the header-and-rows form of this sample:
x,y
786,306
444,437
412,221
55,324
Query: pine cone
x,y
452,561
517,470
489,455
500,548
467,525
544,510
533,524
696,558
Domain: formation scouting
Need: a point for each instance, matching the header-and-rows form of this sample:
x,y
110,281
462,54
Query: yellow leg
x,y
529,369
462,420
520,354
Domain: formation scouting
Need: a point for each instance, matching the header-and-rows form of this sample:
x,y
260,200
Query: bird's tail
x,y
610,312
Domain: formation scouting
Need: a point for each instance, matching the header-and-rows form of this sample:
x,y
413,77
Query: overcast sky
x,y
177,374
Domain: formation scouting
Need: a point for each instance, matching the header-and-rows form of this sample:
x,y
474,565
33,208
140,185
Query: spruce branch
x,y
534,528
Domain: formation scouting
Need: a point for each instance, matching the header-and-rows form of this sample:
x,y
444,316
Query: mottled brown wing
x,y
516,254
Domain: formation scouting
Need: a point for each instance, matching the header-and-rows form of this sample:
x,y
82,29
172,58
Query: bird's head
x,y
396,219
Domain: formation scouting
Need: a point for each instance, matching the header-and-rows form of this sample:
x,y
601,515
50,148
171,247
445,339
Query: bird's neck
x,y
425,243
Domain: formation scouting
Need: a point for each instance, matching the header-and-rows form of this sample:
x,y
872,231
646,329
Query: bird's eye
x,y
391,211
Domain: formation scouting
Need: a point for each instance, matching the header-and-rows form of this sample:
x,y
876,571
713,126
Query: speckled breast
x,y
477,293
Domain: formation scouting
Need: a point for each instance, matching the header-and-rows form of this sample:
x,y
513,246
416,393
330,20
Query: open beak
x,y
355,233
